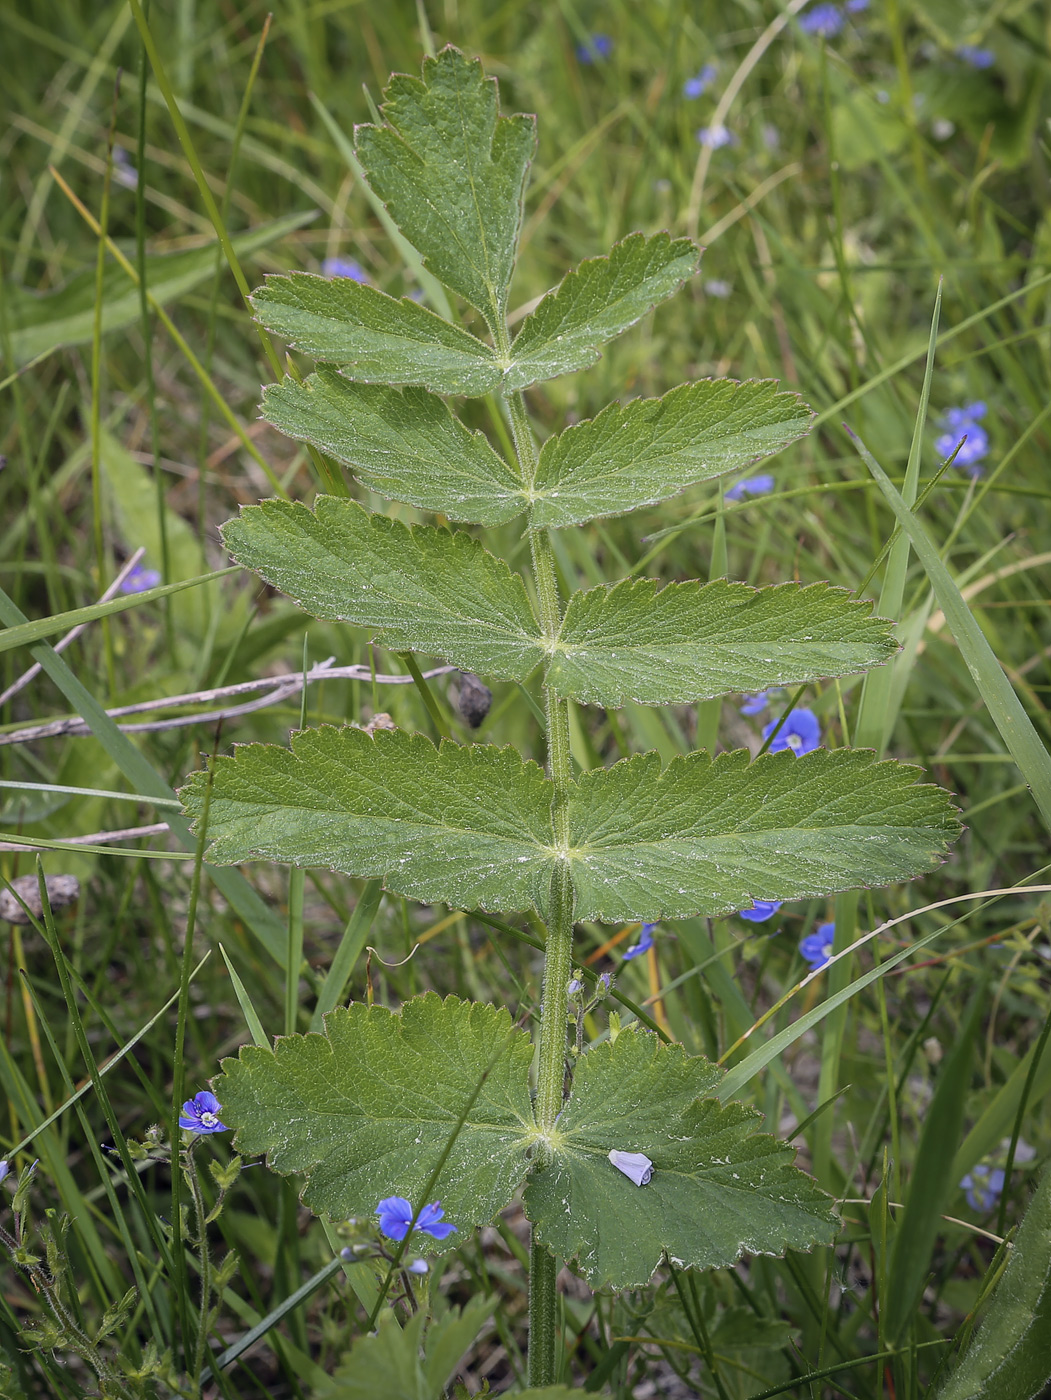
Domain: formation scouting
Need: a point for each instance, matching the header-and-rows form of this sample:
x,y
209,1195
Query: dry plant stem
x,y
281,688
558,951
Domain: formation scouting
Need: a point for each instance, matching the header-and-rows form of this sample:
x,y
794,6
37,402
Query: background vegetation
x,y
865,164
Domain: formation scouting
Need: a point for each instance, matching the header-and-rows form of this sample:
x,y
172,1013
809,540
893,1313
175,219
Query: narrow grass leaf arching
x,y
635,1160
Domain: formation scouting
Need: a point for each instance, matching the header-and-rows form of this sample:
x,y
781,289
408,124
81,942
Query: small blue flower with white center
x,y
760,485
755,704
964,423
139,580
976,56
598,46
761,910
396,1213
716,137
344,267
816,947
823,20
983,1186
697,85
201,1114
644,944
800,732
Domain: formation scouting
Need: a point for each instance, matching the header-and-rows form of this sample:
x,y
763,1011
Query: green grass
x,y
843,206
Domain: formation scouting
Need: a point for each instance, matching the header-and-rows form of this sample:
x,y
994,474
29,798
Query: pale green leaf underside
x,y
366,1110
378,339
1009,1357
692,641
718,1189
419,589
406,445
471,826
595,302
636,454
452,172
468,826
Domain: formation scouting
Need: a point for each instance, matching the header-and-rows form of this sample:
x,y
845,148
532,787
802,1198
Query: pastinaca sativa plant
x,y
367,1110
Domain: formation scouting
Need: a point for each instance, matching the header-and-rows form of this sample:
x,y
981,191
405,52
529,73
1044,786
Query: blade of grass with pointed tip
x,y
1005,709
348,952
930,1184
25,634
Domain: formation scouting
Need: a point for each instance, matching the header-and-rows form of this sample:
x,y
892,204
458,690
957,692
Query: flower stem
x,y
558,953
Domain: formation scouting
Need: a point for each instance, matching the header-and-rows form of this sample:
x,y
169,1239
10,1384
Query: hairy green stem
x,y
558,956
543,1314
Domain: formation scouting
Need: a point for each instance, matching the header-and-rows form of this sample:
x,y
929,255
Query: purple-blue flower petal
x,y
761,910
644,944
801,732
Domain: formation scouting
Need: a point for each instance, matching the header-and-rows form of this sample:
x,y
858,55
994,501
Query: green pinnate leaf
x,y
706,836
386,1362
452,172
376,338
647,450
718,1188
468,826
471,826
692,641
366,1110
418,589
595,302
1009,1357
405,444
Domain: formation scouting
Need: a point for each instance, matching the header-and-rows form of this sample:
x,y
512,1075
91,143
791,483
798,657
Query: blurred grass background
x,y
864,165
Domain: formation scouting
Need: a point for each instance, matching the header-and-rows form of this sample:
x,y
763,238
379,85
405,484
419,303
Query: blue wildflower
x,y
644,944
344,267
5,1168
715,137
396,1214
761,910
760,485
575,986
123,171
201,1114
800,732
716,287
755,704
823,20
694,87
983,1186
963,423
419,1266
855,7
140,579
816,948
975,56
598,46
